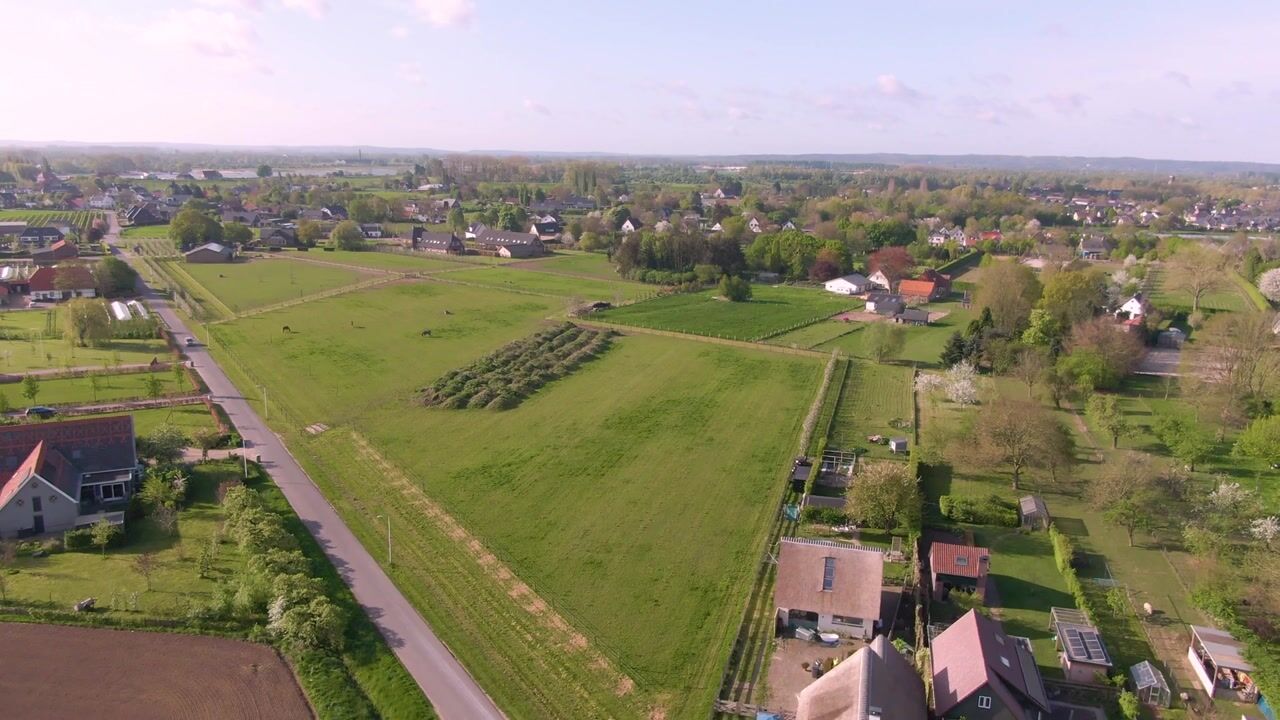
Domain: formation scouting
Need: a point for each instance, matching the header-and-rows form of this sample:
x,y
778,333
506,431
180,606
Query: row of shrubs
x,y
1064,553
662,277
503,378
991,510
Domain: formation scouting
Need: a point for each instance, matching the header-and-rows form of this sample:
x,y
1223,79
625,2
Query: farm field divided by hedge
x,y
629,495
770,310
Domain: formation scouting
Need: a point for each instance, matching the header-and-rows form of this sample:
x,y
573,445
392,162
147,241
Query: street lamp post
x,y
266,409
244,452
388,519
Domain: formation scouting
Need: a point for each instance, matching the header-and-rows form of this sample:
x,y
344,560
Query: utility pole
x,y
244,453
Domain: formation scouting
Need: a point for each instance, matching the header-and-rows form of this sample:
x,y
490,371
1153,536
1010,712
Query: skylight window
x,y
828,573
1005,660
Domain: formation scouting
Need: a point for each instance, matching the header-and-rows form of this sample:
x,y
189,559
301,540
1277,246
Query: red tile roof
x,y
975,652
945,559
44,279
917,288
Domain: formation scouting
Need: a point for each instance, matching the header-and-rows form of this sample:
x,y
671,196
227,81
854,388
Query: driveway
x,y
451,690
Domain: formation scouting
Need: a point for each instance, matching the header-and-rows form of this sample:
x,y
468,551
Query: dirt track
x,y
56,671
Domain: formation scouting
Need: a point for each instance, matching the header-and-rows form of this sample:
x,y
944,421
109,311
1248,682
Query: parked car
x,y
190,342
41,411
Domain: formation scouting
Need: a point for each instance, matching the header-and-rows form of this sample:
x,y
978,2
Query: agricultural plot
x,y
189,419
396,262
174,676
631,497
814,335
923,345
771,310
586,264
255,283
80,219
82,390
1228,298
548,284
147,232
875,400
31,339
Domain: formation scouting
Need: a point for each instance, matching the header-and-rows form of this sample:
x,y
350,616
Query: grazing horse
x,y
426,333
286,329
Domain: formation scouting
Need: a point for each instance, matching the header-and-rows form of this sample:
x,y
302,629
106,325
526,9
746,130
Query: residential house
x,y
852,284
880,280
334,212
40,235
829,586
875,683
992,236
210,253
61,475
244,217
547,231
631,225
920,291
958,567
55,253
444,243
210,174
62,282
1080,650
278,237
885,304
504,243
912,316
1093,247
8,200
10,230
145,214
102,201
981,673
1033,514
1134,307
720,194
475,230
947,235
371,231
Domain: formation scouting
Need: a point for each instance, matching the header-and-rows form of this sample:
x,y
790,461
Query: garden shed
x,y
897,445
1033,513
1149,684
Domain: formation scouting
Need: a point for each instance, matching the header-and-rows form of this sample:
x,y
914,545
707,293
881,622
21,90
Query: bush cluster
x,y
82,539
824,515
991,510
502,379
662,277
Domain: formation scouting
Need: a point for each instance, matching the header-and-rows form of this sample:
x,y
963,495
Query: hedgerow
x,y
505,377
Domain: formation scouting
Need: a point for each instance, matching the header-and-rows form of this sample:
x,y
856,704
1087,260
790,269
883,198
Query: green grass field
x,y
255,283
770,310
814,335
923,344
548,284
397,262
629,496
587,264
79,218
190,419
63,391
871,398
146,232
1228,297
25,350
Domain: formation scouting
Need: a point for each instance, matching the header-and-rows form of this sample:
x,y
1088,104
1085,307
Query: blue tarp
x,y
761,715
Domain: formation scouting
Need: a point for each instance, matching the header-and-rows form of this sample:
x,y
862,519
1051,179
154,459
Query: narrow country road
x,y
453,693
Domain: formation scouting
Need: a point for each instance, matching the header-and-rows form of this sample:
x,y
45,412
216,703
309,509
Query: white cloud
x,y
206,32
315,8
891,86
741,113
444,13
535,106
411,72
1066,103
1180,78
247,5
398,32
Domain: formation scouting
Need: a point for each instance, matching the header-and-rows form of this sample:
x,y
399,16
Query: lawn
x,y
587,289
628,496
146,232
771,310
190,419
814,335
874,400
79,218
1028,583
923,345
1226,298
587,264
397,262
26,348
255,283
80,391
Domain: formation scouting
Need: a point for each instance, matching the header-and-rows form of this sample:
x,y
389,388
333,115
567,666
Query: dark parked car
x,y
41,411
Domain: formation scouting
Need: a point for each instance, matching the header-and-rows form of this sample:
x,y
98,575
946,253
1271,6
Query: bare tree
x,y
145,564
1030,367
166,516
1197,271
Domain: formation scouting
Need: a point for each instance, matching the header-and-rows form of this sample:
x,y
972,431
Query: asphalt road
x,y
452,691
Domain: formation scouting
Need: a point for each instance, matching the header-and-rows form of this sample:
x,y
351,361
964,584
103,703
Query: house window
x,y
113,492
843,620
984,702
828,573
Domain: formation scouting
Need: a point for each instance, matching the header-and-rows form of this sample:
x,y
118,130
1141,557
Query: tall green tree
x,y
191,227
1105,412
346,235
885,340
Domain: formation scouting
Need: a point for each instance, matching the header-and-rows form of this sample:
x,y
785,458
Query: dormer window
x,y
962,561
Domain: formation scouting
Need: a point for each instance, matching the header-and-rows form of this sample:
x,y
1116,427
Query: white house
x,y
880,280
102,201
1134,307
854,284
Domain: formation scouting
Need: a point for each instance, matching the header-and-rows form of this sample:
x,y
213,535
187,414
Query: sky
x,y
1169,79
